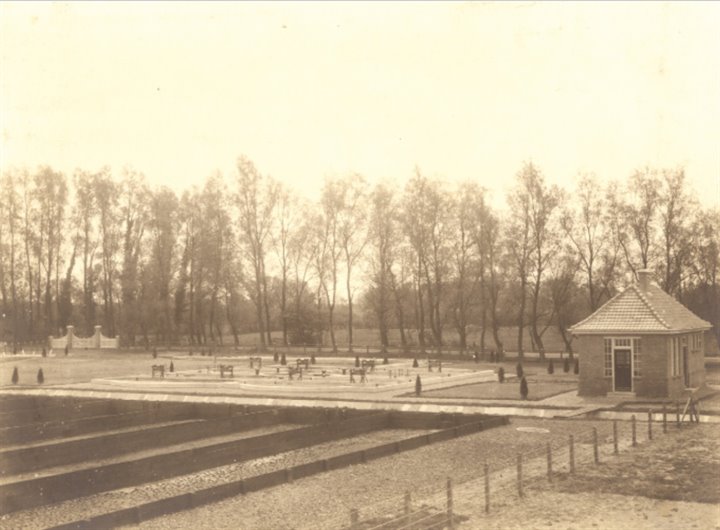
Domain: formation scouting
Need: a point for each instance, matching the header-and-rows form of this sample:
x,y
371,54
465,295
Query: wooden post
x,y
519,476
664,420
649,424
634,433
572,454
407,506
449,503
549,462
487,489
596,455
615,437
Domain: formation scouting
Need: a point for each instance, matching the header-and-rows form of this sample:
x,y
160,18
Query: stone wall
x,y
97,341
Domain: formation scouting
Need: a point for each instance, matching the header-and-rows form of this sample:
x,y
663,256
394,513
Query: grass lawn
x,y
540,386
81,367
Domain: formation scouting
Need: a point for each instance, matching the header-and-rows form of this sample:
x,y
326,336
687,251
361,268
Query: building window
x,y
674,356
636,348
608,357
697,342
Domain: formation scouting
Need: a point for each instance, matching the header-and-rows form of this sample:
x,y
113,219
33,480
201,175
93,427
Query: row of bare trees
x,y
426,265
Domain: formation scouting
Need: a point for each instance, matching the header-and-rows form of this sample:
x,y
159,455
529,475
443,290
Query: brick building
x,y
641,341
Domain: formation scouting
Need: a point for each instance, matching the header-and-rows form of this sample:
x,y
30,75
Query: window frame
x,y
632,343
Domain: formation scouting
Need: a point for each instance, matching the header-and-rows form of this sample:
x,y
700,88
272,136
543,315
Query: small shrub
x,y
519,370
415,363
523,388
357,362
172,366
283,360
501,374
418,385
566,365
551,367
40,377
15,377
385,361
576,368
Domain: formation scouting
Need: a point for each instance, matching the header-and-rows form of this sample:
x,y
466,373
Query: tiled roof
x,y
635,310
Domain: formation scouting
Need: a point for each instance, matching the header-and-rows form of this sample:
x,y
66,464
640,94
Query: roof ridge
x,y
649,305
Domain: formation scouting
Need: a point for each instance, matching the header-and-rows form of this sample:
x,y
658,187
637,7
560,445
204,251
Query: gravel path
x,y
324,501
103,502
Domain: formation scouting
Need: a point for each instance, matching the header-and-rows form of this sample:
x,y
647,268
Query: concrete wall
x,y
102,445
59,487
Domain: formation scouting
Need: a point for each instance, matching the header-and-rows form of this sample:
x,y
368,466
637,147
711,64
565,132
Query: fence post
x,y
407,506
615,437
595,446
449,503
487,489
650,424
664,420
572,454
549,462
354,518
634,433
519,475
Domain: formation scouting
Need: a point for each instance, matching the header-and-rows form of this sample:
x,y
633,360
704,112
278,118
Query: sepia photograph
x,y
356,265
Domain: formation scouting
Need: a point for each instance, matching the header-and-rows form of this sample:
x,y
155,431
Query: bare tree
x,y
107,195
382,235
676,212
426,222
256,200
519,239
586,228
634,215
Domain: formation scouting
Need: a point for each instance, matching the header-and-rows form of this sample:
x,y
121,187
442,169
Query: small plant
x,y
519,370
385,361
415,363
551,367
566,365
40,377
523,388
418,385
283,360
357,362
172,367
312,359
501,374
15,376
576,368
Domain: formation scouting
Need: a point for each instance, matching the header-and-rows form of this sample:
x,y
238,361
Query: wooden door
x,y
623,370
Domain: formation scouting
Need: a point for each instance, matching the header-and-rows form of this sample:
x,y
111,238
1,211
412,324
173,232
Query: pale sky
x,y
310,90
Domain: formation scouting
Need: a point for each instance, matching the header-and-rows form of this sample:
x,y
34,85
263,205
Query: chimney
x,y
644,279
